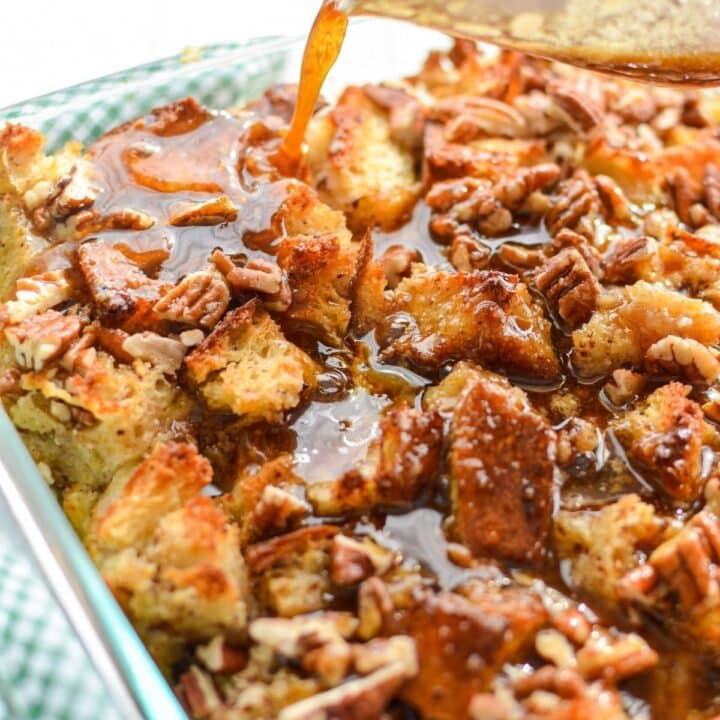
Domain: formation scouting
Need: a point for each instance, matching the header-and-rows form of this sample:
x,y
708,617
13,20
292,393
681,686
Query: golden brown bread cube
x,y
483,316
631,319
461,642
92,424
400,465
599,546
502,469
358,167
170,556
665,438
320,269
246,366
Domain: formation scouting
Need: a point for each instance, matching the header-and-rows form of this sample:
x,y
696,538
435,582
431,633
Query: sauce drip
x,y
321,52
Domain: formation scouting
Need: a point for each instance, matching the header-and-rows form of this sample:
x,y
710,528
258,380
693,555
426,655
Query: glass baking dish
x,y
218,76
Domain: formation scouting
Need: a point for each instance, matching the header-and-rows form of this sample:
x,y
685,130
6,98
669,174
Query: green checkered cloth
x,y
44,672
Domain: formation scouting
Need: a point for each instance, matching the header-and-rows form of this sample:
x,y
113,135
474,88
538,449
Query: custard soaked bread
x,y
427,430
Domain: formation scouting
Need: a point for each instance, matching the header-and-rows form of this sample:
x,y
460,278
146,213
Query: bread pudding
x,y
428,429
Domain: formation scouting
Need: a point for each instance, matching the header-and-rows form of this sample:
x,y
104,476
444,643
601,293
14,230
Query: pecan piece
x,y
567,238
467,253
257,276
687,565
164,353
374,605
73,193
684,358
684,193
218,656
200,298
396,262
42,338
514,190
615,658
469,117
624,387
520,256
575,205
615,206
365,697
352,561
211,212
35,294
276,510
200,693
9,381
624,259
580,111
571,289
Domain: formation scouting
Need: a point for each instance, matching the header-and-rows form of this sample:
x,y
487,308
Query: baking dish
x,y
219,76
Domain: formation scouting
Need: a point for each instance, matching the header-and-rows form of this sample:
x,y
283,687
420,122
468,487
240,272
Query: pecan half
x,y
352,561
164,353
581,112
396,262
576,203
684,358
256,276
200,298
520,256
687,565
467,254
35,294
571,289
615,205
211,212
365,697
42,338
623,260
514,190
567,238
615,658
684,193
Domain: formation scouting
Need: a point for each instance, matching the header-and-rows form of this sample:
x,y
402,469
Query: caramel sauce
x,y
321,52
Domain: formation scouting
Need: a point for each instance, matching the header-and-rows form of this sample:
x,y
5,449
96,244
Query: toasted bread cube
x,y
485,316
502,468
320,270
356,165
91,425
600,546
631,319
246,366
462,642
169,555
665,435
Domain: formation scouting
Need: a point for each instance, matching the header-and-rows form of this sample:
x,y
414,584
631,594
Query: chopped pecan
x,y
514,190
42,338
576,203
200,298
35,294
164,353
374,605
520,256
684,358
365,697
711,188
396,262
567,238
563,682
614,658
381,652
80,356
554,647
686,566
210,212
276,510
263,555
684,193
623,261
219,656
466,203
200,692
73,193
469,117
624,387
581,111
467,253
692,113
353,561
615,206
256,276
569,285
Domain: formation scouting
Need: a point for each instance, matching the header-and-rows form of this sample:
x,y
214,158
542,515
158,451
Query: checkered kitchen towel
x,y
44,672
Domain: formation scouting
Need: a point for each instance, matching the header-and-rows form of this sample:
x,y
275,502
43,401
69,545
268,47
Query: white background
x,y
49,44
